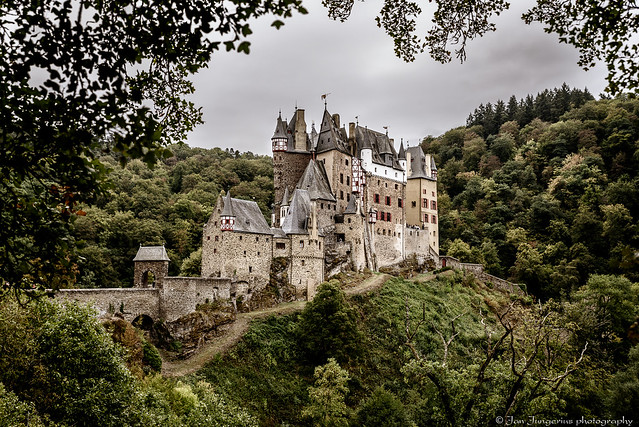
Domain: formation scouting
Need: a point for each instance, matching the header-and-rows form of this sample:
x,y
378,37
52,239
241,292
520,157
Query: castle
x,y
342,199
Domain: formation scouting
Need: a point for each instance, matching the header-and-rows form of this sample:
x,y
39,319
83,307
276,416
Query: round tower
x,y
279,140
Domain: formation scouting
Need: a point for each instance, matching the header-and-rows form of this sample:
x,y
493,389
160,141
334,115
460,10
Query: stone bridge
x,y
173,298
478,271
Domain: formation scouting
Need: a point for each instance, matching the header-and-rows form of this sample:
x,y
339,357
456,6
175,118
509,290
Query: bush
x,y
382,408
328,327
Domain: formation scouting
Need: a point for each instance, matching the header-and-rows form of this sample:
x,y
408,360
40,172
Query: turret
x,y
227,218
401,156
279,139
284,206
433,168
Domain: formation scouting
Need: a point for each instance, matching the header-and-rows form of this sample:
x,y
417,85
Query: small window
x,y
250,269
349,220
400,203
388,200
396,184
257,239
321,205
433,205
388,216
341,178
348,180
346,162
434,218
267,240
341,195
301,244
425,203
244,253
413,204
386,184
258,254
303,263
348,197
384,232
214,250
433,193
376,198
215,223
425,217
240,237
217,238
208,237
280,245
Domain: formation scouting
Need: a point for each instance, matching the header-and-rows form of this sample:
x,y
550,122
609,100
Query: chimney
x,y
336,120
300,131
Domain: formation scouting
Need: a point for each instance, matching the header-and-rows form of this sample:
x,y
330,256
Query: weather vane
x,y
324,95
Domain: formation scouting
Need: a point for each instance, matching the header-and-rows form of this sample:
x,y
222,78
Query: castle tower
x,y
401,156
291,153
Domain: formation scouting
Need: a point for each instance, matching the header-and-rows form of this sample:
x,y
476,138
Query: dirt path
x,y
222,344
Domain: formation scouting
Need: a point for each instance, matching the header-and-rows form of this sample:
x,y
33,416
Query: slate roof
x,y
278,233
331,137
402,153
280,128
296,220
286,198
315,181
380,144
151,253
352,205
248,216
418,164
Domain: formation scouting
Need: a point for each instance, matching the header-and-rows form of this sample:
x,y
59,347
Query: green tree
x,y
327,406
69,93
328,328
382,409
601,32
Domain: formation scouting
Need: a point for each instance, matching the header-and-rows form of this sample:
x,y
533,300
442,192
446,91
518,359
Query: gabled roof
x,y
248,216
296,220
331,137
151,253
315,181
419,167
383,151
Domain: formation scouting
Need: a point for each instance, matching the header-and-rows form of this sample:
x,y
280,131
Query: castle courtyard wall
x,y
181,295
129,302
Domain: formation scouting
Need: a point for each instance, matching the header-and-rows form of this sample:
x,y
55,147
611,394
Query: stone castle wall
x,y
180,295
287,171
129,302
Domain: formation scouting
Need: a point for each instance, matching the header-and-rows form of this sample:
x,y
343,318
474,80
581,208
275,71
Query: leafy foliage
x,y
600,31
69,94
327,327
542,204
327,407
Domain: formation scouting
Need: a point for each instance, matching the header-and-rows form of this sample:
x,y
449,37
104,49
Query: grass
x,y
264,374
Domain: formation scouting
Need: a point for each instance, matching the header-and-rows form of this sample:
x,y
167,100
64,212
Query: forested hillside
x,y
168,205
543,203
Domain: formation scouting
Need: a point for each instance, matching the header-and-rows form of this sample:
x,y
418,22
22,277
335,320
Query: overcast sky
x,y
241,95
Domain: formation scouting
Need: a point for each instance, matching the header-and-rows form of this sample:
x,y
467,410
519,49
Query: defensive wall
x,y
173,298
478,271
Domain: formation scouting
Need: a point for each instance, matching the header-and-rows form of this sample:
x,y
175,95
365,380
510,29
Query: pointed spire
x,y
228,205
352,205
402,153
286,198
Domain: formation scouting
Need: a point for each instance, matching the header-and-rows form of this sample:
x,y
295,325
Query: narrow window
x,y
341,178
425,203
348,180
301,243
208,237
434,219
214,250
376,198
341,195
250,269
302,263
346,162
413,204
217,238
399,203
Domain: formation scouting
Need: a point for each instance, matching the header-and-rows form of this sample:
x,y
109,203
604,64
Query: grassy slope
x,y
263,373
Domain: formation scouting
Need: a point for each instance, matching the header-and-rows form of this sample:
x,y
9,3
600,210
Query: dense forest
x,y
549,201
544,204
167,204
